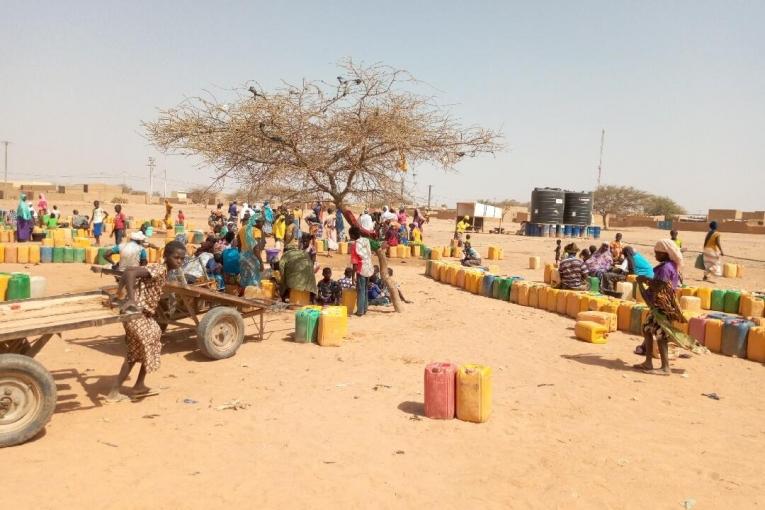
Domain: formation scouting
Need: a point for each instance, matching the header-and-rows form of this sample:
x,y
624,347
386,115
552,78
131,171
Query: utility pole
x,y
151,166
600,163
6,142
430,190
165,182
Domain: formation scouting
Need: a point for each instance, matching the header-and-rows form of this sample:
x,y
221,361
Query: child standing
x,y
181,218
118,231
361,257
97,221
415,234
557,251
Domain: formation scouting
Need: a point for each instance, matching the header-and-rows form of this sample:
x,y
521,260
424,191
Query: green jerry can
x,y
718,300
19,286
307,324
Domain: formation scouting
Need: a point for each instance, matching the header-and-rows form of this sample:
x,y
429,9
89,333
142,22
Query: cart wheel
x,y
27,398
220,332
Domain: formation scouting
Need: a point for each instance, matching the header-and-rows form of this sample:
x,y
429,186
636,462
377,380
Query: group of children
x,y
330,291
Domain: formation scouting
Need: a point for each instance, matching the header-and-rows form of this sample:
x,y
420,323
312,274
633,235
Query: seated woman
x,y
471,258
600,261
634,263
573,271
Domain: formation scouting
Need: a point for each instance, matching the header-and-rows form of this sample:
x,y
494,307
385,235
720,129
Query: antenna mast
x,y
600,162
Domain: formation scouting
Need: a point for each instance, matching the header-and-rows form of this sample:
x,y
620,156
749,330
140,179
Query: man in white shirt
x,y
97,221
387,215
366,222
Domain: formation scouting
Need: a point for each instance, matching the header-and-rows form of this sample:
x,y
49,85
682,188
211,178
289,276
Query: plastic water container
x,y
22,254
272,254
705,295
690,303
199,237
416,249
572,305
440,383
636,320
591,332
58,254
625,290
717,301
333,326
606,319
730,270
37,286
596,232
562,301
732,301
300,297
734,337
697,328
19,286
486,285
231,261
306,324
504,289
751,306
534,296
534,262
473,393
523,292
78,255
4,279
755,348
269,288
713,334
552,300
91,255
69,255
100,259
348,300
594,284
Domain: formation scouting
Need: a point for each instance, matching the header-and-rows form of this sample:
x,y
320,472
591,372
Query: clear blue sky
x,y
679,86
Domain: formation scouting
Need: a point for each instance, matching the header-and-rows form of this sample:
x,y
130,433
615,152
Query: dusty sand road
x,y
572,425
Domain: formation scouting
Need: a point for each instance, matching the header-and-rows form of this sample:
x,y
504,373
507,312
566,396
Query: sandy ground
x,y
572,425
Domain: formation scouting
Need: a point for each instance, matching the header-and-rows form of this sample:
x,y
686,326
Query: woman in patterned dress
x,y
144,288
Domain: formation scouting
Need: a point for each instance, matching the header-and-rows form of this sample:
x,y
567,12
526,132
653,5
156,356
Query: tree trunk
x,y
383,260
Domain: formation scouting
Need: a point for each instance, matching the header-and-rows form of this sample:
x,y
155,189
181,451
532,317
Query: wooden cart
x,y
27,388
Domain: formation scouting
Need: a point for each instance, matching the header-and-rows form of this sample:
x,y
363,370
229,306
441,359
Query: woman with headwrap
x,y
712,252
42,204
250,263
659,294
268,216
600,261
24,220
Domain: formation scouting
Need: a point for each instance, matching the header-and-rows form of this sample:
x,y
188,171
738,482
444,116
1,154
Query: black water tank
x,y
578,209
547,205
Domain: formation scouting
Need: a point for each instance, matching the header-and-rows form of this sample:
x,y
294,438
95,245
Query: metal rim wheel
x,y
27,398
220,332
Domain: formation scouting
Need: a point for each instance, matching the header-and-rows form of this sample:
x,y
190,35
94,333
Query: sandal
x,y
640,350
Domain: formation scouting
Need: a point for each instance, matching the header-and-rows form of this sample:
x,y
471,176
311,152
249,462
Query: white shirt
x,y
366,222
387,215
98,215
56,213
130,255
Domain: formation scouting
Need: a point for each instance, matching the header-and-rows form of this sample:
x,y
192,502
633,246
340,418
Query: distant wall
x,y
723,214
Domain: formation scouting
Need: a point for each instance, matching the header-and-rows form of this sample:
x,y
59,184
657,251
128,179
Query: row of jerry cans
x,y
325,326
727,301
403,251
731,336
15,286
29,253
464,392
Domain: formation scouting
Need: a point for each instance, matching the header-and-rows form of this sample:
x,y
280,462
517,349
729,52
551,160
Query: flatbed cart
x,y
27,388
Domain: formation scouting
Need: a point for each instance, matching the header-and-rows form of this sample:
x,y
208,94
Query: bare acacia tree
x,y
347,140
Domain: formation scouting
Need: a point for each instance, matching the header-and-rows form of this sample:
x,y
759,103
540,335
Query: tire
x,y
220,332
27,398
